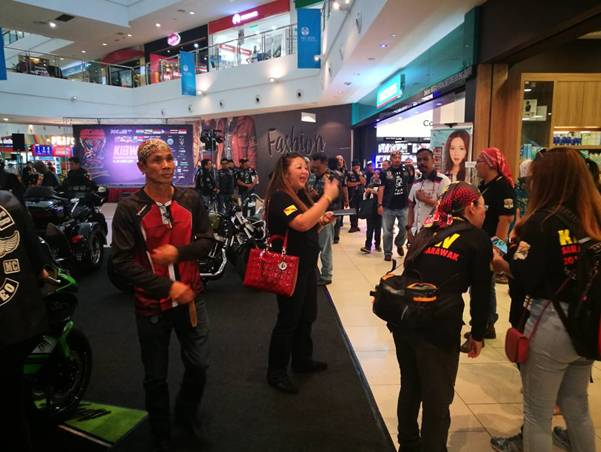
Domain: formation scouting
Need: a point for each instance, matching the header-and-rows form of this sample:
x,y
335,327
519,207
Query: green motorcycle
x,y
58,370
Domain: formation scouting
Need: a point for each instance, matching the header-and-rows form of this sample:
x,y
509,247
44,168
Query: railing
x,y
10,36
220,56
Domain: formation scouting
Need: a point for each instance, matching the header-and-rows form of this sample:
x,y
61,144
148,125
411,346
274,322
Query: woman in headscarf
x,y
453,253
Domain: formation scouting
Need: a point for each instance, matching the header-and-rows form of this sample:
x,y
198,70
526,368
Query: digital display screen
x,y
110,152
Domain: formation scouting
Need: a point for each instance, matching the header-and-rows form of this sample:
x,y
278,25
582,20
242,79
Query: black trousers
x,y
354,204
291,336
374,230
16,397
428,376
154,334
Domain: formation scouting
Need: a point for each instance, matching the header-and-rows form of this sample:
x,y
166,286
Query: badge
x,y
282,266
290,210
522,252
508,203
9,244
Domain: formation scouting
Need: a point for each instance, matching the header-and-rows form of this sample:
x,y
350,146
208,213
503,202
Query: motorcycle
x,y
78,220
58,369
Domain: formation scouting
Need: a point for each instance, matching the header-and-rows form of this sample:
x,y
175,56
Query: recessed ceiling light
x,y
527,90
83,51
196,45
384,45
191,13
52,24
317,58
158,25
271,79
394,35
61,58
5,119
347,2
336,6
104,44
129,35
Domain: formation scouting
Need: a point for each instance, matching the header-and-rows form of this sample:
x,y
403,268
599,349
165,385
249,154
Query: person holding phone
x,y
290,210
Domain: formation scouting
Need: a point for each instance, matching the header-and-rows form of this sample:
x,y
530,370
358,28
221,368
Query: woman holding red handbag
x,y
291,212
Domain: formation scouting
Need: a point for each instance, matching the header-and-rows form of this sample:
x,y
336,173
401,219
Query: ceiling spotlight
x,y
104,44
336,6
317,57
73,98
394,35
61,58
527,90
83,51
191,13
347,2
384,45
196,45
5,119
52,24
271,79
129,35
158,25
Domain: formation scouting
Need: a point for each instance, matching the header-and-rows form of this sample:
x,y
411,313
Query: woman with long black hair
x,y
291,212
547,250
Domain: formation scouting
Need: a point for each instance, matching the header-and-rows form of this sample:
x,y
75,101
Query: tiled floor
x,y
487,393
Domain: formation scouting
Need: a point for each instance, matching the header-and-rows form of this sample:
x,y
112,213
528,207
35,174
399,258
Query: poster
x,y
452,148
110,152
2,61
308,38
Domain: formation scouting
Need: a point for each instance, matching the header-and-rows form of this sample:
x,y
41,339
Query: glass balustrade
x,y
220,56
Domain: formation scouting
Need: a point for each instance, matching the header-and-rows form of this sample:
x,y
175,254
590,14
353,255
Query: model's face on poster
x,y
457,151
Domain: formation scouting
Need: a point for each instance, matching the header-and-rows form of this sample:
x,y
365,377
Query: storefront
x,y
162,53
249,36
422,105
50,148
534,92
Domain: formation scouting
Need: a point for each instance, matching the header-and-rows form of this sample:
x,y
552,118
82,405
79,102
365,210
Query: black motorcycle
x,y
78,225
58,370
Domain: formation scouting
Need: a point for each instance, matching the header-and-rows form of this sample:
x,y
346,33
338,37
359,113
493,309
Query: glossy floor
x,y
487,400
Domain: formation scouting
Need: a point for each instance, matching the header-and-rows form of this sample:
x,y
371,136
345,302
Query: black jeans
x,y
291,335
374,231
15,395
154,334
354,203
428,376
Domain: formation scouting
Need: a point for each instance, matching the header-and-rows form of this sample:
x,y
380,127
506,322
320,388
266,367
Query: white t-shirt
x,y
434,188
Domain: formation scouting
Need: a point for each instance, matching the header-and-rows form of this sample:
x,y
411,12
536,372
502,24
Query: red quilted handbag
x,y
270,271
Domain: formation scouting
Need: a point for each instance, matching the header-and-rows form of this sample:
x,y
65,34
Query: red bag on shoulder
x,y
517,343
270,271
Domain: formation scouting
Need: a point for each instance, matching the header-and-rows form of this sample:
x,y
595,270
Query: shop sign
x,y
174,39
62,141
389,91
62,151
42,150
7,141
239,18
250,15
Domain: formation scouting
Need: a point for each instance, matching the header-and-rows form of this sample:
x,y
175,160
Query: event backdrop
x,y
109,152
262,139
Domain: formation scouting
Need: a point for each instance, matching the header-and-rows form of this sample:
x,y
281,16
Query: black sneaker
x,y
388,257
281,382
324,282
365,250
561,438
310,367
509,444
400,250
379,249
353,229
336,240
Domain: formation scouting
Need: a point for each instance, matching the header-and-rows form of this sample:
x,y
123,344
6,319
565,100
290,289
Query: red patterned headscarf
x,y
456,198
495,159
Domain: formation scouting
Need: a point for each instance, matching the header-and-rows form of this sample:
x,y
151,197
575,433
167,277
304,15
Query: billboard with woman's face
x,y
452,149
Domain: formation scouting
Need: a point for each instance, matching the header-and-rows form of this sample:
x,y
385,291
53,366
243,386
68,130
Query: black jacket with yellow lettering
x,y
456,263
22,309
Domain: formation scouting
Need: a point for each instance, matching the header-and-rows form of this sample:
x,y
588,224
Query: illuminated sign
x,y
389,91
174,39
42,150
62,141
239,18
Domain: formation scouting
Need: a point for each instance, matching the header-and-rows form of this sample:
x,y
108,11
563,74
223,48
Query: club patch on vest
x,y
290,210
508,203
11,266
6,221
9,244
8,290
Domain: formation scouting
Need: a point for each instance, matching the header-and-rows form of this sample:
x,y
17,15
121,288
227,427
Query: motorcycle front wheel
x,y
64,380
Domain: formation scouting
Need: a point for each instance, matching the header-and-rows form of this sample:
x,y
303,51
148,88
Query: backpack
x,y
406,301
583,319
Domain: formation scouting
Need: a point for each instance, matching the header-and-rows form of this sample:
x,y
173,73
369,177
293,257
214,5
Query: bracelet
x,y
328,198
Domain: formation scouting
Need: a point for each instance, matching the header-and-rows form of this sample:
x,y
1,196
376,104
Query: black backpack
x,y
583,319
406,301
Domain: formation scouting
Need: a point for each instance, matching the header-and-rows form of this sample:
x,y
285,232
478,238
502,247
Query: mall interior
x,y
250,81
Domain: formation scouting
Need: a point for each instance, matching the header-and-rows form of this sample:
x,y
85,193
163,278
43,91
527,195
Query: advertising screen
x,y
109,152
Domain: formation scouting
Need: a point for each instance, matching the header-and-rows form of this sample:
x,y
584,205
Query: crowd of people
x,y
446,229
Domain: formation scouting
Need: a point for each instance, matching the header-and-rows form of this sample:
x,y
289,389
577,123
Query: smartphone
x,y
499,244
343,212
